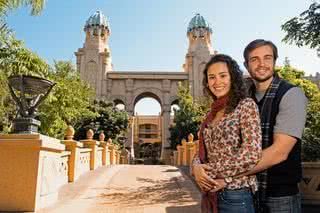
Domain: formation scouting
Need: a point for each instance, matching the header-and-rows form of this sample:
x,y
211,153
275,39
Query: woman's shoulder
x,y
247,103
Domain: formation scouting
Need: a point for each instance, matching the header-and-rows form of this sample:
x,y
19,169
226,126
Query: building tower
x,y
94,58
199,52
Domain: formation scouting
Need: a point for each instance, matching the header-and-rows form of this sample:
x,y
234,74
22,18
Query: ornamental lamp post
x,y
28,92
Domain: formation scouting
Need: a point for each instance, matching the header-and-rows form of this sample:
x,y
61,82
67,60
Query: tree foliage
x,y
112,121
311,136
188,117
15,58
9,5
68,101
304,30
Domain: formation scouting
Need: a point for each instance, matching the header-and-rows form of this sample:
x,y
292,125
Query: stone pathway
x,y
129,188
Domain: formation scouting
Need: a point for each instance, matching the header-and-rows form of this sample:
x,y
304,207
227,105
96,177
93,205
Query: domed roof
x,y
198,22
97,19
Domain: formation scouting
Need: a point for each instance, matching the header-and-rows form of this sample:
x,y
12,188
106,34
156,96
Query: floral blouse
x,y
233,145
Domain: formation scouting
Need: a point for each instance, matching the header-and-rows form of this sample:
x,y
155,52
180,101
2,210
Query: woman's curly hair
x,y
237,89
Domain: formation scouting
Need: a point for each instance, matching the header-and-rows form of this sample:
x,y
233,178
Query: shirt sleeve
x,y
292,113
195,161
249,153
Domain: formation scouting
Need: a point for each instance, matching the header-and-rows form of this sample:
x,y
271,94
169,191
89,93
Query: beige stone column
x,y
184,155
29,171
103,144
165,154
190,149
93,145
130,133
175,158
180,155
74,148
111,151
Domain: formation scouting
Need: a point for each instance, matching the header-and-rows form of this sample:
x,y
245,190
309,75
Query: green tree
x,y
305,29
311,136
188,117
112,121
68,101
16,59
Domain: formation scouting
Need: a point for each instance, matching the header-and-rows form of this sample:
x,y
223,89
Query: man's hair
x,y
258,43
237,90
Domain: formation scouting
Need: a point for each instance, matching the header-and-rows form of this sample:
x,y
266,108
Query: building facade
x,y
94,62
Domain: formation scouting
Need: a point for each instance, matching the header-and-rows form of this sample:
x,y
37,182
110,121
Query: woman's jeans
x,y
235,201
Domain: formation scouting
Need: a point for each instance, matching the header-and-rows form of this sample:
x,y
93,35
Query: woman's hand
x,y
220,184
203,180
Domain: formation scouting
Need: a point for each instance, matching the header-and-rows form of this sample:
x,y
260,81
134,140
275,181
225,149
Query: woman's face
x,y
219,79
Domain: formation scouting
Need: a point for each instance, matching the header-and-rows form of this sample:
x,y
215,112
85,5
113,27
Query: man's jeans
x,y
286,204
235,201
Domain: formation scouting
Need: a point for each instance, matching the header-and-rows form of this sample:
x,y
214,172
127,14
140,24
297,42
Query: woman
x,y
230,140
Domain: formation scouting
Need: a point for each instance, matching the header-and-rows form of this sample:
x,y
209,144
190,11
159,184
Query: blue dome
x,y
97,19
198,22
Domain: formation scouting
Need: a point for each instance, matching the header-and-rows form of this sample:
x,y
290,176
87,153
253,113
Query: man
x,y
282,109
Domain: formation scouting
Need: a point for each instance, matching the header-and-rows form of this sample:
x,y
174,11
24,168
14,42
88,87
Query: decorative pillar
x,y
180,155
165,154
184,155
74,148
103,144
111,151
130,135
92,144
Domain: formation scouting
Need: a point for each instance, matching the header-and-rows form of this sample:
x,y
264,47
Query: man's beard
x,y
263,79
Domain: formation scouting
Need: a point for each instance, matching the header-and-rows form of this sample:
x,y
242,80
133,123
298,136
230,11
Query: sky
x,y
149,35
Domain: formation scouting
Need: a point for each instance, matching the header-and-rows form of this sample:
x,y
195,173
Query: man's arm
x,y
275,154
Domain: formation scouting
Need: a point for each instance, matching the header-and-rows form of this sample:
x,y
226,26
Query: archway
x,y
147,136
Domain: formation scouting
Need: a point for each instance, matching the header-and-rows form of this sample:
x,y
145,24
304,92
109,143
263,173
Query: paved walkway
x,y
129,188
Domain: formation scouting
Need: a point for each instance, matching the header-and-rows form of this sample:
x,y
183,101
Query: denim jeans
x,y
235,201
286,204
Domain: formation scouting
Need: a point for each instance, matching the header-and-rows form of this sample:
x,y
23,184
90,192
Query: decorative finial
x,y
102,136
90,134
69,133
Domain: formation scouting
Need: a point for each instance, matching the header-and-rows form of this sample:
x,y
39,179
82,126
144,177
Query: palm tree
x,y
8,5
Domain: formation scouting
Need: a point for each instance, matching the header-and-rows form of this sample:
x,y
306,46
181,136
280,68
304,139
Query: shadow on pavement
x,y
184,209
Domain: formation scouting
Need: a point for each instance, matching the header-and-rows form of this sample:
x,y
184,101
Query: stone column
x,y
130,135
165,155
185,153
103,144
74,159
93,145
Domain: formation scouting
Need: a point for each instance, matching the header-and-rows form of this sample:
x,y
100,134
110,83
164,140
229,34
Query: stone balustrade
x,y
185,152
34,167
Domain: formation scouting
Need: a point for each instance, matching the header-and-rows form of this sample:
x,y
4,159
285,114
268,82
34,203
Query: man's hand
x,y
203,180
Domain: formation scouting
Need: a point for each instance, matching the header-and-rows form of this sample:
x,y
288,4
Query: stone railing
x,y
33,167
310,185
185,152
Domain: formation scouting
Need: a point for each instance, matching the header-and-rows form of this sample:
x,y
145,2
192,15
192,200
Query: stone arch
x,y
147,92
173,100
118,99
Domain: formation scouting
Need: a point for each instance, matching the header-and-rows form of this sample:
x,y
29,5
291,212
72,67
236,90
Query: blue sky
x,y
149,35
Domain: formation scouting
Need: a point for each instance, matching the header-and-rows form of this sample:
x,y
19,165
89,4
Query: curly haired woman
x,y
230,140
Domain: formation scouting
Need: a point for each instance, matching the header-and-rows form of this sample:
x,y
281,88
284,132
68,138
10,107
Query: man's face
x,y
261,63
